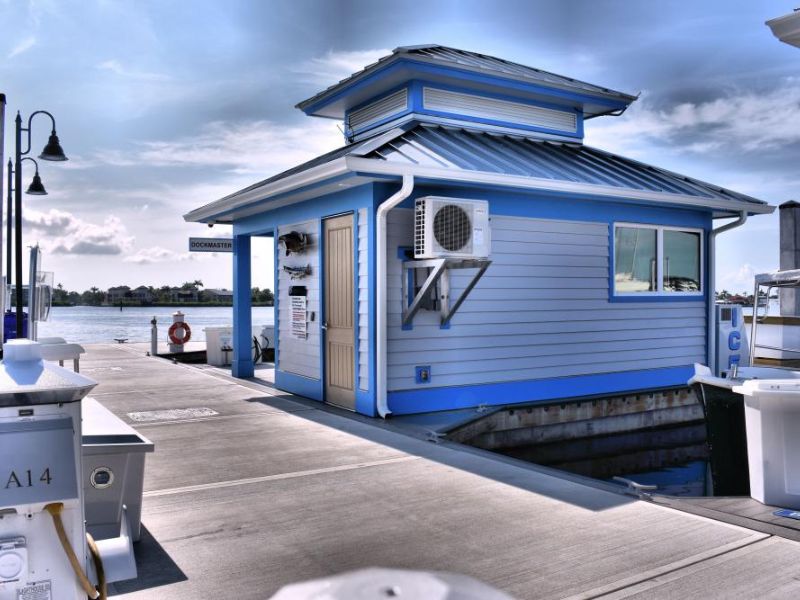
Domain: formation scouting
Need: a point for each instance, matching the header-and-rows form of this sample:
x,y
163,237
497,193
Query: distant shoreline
x,y
158,304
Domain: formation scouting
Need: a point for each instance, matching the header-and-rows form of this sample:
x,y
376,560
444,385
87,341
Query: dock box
x,y
113,471
219,343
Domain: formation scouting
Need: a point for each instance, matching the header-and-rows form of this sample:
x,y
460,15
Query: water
x,y
101,324
678,459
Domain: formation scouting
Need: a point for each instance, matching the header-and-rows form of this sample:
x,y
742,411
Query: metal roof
x,y
456,148
473,61
483,62
479,157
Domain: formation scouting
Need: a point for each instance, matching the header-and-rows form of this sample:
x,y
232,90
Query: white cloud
x,y
157,254
253,147
739,280
63,233
337,65
744,121
117,68
23,46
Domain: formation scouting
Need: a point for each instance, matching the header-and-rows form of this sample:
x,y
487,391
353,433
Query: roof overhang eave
x,y
211,212
720,208
312,105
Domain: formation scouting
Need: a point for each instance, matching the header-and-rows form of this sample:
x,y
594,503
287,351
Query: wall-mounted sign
x,y
298,321
210,244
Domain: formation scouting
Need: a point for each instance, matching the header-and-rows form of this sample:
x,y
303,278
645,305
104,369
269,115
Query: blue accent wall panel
x,y
494,394
297,384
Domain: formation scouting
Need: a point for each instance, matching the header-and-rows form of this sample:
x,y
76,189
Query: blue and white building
x,y
597,269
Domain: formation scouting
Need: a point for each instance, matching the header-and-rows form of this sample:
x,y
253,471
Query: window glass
x,y
634,260
681,261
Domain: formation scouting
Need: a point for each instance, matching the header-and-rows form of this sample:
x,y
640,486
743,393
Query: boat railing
x,y
774,280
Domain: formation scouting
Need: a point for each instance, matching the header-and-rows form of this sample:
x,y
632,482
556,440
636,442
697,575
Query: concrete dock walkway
x,y
274,489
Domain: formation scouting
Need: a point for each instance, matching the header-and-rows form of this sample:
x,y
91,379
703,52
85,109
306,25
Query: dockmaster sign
x,y
210,245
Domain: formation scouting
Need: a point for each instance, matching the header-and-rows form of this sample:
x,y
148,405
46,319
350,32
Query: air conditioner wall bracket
x,y
439,269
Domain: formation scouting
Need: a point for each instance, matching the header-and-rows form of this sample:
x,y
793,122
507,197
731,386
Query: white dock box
x,y
219,343
113,471
772,421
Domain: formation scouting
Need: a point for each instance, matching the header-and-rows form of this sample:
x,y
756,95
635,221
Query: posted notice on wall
x,y
299,324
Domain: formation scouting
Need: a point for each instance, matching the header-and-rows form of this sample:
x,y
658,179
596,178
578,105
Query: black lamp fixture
x,y
36,188
51,152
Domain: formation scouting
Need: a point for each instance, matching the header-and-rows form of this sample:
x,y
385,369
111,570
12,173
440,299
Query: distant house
x,y
143,295
214,295
116,295
177,294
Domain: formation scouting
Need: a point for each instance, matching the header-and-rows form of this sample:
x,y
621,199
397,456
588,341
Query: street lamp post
x,y
53,152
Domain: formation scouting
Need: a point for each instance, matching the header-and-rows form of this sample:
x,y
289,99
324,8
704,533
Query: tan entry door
x,y
340,361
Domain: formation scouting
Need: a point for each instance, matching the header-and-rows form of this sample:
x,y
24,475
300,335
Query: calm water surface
x,y
101,324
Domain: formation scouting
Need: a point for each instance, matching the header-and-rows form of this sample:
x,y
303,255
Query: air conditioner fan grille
x,y
452,227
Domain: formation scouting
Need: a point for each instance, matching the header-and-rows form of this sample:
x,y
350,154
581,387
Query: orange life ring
x,y
187,333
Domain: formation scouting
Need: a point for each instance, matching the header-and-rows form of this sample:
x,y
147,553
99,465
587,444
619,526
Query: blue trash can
x,y
10,326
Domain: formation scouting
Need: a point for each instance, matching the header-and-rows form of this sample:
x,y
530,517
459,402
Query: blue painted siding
x,y
430,399
542,312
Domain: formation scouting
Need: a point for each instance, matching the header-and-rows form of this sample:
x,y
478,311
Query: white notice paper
x,y
40,590
298,317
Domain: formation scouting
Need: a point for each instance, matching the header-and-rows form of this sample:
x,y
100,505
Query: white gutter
x,y
711,321
381,300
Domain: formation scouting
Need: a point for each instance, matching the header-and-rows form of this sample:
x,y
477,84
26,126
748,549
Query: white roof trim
x,y
311,176
349,164
379,167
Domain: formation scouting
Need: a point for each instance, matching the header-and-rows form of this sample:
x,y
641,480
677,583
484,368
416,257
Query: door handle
x,y
324,325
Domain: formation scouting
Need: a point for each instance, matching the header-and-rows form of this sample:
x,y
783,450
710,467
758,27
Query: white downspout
x,y
381,258
712,311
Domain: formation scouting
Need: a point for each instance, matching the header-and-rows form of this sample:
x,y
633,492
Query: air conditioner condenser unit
x,y
451,228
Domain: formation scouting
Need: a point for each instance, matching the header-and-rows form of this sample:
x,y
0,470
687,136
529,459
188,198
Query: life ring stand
x,y
187,333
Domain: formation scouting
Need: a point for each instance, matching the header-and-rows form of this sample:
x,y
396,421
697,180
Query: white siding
x,y
363,300
300,357
540,311
498,110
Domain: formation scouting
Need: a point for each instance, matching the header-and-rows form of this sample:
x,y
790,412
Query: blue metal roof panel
x,y
461,150
456,148
473,61
487,63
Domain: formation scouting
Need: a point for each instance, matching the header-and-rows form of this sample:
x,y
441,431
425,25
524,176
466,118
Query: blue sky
x,y
164,106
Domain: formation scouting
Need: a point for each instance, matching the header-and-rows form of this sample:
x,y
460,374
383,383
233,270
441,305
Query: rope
x,y
55,511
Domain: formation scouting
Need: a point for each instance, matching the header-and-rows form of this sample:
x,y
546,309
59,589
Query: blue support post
x,y
242,365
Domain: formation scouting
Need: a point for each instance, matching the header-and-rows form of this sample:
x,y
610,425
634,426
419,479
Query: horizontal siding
x,y
540,311
363,301
300,357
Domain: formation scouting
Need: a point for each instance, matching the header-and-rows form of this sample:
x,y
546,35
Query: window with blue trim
x,y
655,260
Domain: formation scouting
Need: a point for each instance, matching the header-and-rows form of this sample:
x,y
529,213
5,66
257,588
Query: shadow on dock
x,y
155,567
579,491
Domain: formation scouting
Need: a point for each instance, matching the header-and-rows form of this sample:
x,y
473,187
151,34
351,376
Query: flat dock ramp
x,y
250,489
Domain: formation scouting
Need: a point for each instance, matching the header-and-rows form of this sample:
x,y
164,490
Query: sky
x,y
165,106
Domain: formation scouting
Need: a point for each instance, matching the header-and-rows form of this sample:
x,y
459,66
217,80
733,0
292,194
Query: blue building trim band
x,y
406,402
297,384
